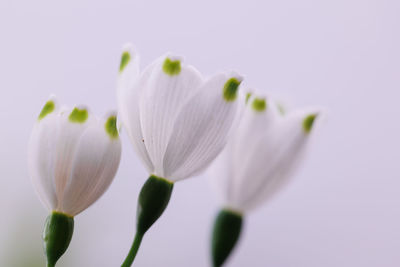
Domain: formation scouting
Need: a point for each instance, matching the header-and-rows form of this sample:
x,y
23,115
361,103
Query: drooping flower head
x,y
258,160
177,120
262,155
73,158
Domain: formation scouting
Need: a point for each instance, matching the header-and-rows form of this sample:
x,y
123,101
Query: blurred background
x,y
342,208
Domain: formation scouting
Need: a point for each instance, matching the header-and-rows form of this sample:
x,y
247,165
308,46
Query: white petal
x,y
169,87
130,87
202,128
42,154
292,141
95,164
129,67
264,153
72,125
239,153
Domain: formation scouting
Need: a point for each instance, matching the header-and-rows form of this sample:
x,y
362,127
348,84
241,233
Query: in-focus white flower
x,y
178,122
258,160
262,155
73,157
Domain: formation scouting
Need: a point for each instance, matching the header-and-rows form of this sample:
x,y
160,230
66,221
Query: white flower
x,y
177,121
262,155
73,157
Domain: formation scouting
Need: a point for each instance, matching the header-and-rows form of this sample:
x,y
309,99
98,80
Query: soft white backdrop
x,y
343,208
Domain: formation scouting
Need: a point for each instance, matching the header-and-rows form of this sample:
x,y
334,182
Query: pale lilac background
x,y
343,208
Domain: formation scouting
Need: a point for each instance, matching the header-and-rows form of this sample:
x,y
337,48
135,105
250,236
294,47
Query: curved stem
x,y
133,251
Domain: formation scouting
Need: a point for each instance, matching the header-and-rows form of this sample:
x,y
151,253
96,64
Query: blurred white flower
x,y
262,155
177,121
257,161
73,157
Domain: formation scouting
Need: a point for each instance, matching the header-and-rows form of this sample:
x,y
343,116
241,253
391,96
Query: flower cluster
x,y
179,123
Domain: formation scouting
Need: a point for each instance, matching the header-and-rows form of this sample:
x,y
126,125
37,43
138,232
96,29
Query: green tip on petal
x,y
172,67
230,89
248,95
126,57
47,109
259,104
78,115
281,109
111,127
308,122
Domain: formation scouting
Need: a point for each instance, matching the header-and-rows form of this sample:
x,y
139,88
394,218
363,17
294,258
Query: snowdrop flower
x,y
73,158
259,159
177,121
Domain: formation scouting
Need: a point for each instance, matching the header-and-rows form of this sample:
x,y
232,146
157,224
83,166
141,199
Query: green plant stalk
x,y
153,200
226,233
57,235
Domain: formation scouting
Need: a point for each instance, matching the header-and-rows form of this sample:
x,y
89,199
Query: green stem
x,y
133,251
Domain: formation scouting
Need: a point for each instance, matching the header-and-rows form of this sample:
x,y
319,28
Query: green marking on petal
x,y
47,109
281,109
230,89
259,104
308,122
172,67
248,95
126,57
111,127
78,115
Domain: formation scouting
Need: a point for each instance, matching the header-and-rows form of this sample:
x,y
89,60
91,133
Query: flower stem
x,y
133,251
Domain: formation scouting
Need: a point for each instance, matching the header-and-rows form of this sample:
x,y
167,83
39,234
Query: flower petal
x,y
266,150
129,67
201,130
94,166
42,153
169,87
129,91
72,125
